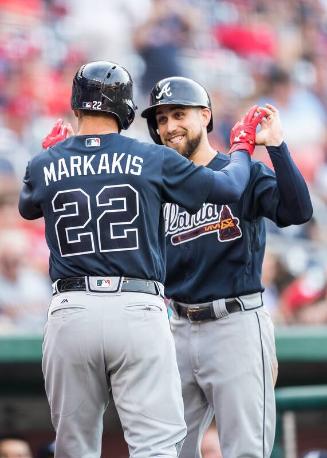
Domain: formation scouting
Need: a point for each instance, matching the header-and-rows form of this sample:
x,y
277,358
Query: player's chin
x,y
179,147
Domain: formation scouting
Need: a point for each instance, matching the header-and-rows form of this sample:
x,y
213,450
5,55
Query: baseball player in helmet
x,y
224,336
101,196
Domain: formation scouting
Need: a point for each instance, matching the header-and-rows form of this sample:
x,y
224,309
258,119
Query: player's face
x,y
181,127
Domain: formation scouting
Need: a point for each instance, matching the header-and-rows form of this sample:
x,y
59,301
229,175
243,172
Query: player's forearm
x,y
294,199
27,208
230,182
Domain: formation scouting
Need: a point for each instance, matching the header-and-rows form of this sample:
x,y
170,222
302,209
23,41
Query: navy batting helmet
x,y
175,90
104,86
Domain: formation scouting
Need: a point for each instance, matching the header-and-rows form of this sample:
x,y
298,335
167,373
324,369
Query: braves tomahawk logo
x,y
184,227
164,90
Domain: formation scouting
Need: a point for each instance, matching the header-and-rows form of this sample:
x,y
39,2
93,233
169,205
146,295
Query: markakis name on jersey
x,y
184,227
66,167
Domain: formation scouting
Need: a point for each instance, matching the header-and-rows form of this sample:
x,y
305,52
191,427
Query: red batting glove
x,y
242,135
58,134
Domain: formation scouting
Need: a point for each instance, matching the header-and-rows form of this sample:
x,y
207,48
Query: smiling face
x,y
182,127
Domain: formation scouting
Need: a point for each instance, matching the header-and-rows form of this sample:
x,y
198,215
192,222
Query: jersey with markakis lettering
x,y
218,252
101,198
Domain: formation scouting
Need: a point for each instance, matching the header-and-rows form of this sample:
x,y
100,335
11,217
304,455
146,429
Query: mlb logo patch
x,y
93,141
104,283
87,105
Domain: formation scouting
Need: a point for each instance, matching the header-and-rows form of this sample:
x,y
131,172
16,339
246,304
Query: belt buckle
x,y
190,310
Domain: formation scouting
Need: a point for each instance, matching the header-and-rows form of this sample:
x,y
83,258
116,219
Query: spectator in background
x,y
24,292
305,299
168,28
36,249
303,117
12,446
314,314
302,113
320,179
269,274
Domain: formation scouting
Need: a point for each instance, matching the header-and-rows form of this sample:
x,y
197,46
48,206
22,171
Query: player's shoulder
x,y
40,157
159,152
146,145
134,145
44,156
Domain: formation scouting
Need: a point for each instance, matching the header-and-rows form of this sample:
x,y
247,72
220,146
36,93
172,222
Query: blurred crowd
x,y
242,51
16,446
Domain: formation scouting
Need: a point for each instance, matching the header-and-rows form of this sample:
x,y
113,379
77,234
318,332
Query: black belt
x,y
199,313
133,285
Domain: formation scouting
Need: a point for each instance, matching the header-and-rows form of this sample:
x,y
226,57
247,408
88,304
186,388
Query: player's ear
x,y
161,138
205,116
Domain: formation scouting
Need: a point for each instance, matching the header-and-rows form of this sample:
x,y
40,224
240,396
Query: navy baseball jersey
x,y
218,252
101,197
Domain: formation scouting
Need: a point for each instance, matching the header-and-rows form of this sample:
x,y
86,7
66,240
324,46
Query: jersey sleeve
x,y
190,186
230,182
28,205
184,183
280,195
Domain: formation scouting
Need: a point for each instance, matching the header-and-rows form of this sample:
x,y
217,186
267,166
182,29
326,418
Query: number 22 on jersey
x,y
120,205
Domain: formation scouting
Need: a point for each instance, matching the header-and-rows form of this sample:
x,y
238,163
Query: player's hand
x,y
271,133
59,132
243,134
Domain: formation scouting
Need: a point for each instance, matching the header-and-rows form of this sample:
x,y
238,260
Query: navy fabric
x,y
102,198
218,252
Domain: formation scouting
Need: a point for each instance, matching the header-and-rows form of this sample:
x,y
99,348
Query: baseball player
x,y
224,336
101,196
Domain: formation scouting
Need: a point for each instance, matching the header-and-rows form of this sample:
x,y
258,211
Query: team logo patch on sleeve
x,y
93,141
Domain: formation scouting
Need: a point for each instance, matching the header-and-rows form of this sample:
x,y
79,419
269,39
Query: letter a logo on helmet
x,y
175,90
165,90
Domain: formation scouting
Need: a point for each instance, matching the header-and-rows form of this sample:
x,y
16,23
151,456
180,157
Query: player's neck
x,y
203,154
89,125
